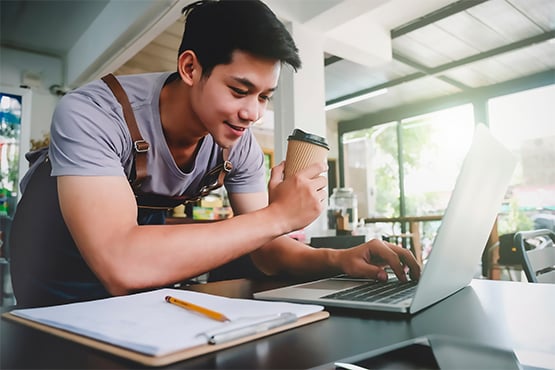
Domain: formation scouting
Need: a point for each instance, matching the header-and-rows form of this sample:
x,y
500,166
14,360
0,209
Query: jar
x,y
343,209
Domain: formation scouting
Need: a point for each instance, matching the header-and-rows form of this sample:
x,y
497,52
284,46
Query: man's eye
x,y
239,91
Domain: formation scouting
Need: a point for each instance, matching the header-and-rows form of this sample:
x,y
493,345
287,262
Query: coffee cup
x,y
304,149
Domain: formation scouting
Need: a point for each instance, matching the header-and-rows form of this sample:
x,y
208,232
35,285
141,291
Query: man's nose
x,y
251,111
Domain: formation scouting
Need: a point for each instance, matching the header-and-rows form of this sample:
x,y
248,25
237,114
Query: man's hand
x,y
370,259
298,200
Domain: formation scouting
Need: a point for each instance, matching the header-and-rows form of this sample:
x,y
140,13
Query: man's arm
x,y
101,214
287,255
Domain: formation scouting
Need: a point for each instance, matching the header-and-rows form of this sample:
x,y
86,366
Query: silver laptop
x,y
462,236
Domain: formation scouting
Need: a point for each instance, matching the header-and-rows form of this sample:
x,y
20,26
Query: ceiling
x,y
48,27
416,50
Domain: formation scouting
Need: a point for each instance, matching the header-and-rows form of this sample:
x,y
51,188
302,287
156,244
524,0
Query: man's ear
x,y
188,67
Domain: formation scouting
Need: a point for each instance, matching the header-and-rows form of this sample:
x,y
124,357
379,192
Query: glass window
x,y
10,129
372,169
525,123
434,146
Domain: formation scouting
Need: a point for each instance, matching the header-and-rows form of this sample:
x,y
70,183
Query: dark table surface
x,y
512,315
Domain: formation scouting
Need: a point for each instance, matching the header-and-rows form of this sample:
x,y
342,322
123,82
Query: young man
x,y
78,233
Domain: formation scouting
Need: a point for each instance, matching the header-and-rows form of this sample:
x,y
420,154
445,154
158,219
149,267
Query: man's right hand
x,y
299,199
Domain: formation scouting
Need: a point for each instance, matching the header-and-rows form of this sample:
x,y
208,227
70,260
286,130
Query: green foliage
x,y
40,143
387,192
387,176
416,204
416,138
13,172
515,220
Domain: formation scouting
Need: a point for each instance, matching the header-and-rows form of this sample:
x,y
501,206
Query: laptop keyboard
x,y
379,292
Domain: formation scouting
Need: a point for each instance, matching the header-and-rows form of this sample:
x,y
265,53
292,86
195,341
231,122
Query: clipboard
x,y
124,351
169,358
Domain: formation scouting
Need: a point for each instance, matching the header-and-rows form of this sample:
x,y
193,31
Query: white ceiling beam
x,y
369,46
342,13
344,23
107,45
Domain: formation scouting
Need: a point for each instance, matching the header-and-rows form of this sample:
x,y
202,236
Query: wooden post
x,y
493,253
416,245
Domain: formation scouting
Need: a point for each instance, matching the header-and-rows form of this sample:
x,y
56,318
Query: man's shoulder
x,y
138,87
143,80
247,145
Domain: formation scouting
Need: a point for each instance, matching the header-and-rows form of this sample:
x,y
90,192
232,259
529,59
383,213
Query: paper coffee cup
x,y
304,149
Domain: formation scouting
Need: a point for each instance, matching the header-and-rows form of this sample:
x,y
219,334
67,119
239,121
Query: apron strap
x,y
140,146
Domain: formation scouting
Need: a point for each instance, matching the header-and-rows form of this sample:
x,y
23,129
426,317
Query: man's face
x,y
235,95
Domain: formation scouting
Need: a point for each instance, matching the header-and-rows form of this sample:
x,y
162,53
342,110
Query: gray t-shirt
x,y
89,137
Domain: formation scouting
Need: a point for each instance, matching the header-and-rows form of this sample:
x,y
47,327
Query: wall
x,y
332,137
46,71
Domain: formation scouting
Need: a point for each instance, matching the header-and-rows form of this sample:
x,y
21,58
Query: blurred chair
x,y
537,249
502,260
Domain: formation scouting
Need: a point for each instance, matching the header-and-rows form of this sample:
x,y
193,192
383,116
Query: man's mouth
x,y
238,128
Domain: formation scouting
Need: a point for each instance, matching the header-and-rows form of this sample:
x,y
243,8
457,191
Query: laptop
x,y
457,248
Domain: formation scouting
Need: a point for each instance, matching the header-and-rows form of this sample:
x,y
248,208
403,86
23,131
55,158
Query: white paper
x,y
146,323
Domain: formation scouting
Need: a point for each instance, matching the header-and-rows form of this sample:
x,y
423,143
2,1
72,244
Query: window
x,y
10,127
525,123
15,104
408,168
372,169
434,146
431,147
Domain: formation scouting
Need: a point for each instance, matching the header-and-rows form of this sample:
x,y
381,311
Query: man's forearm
x,y
285,255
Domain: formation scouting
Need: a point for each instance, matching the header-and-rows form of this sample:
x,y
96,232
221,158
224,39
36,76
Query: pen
x,y
229,335
347,366
193,307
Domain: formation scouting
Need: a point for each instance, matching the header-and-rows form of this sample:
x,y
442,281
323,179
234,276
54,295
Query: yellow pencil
x,y
193,307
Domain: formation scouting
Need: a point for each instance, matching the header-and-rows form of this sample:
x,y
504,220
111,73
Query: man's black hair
x,y
214,29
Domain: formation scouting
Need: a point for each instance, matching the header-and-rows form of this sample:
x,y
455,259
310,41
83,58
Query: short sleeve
x,y
88,135
249,174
